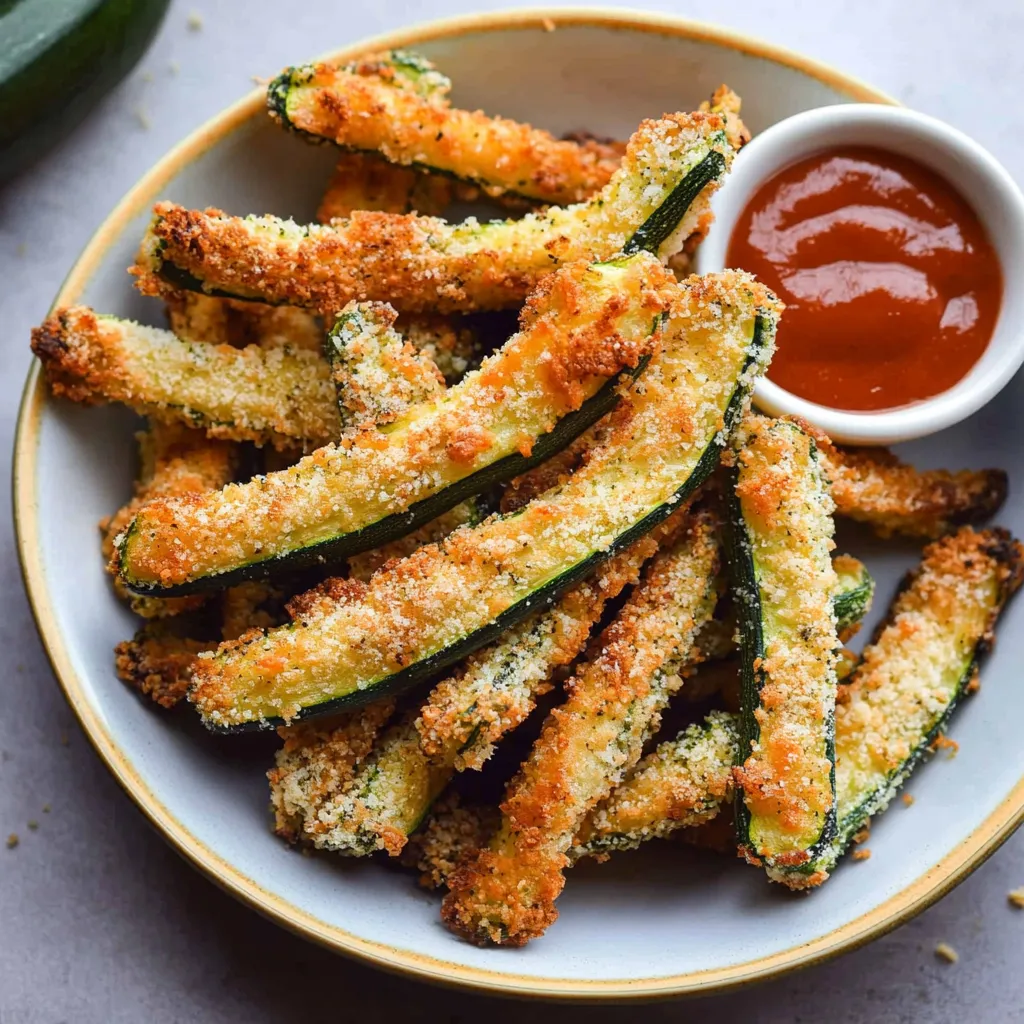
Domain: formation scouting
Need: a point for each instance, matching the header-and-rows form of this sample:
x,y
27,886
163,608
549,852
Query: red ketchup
x,y
891,285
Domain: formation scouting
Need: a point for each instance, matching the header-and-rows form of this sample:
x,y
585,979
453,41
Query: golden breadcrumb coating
x,y
317,760
665,428
786,533
158,665
582,326
423,264
364,114
196,317
873,486
454,830
506,893
682,783
364,182
173,460
266,395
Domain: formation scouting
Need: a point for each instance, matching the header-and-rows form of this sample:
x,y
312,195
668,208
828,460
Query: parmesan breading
x,y
378,374
442,601
174,460
364,182
682,783
784,584
921,662
873,486
273,396
425,264
317,760
506,893
584,325
362,113
454,831
463,717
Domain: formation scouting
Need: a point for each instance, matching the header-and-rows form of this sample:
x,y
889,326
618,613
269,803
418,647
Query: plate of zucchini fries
x,y
455,538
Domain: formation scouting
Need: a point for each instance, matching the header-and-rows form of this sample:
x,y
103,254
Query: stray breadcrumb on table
x,y
12,840
195,21
46,808
33,825
944,951
943,742
864,854
907,799
1015,897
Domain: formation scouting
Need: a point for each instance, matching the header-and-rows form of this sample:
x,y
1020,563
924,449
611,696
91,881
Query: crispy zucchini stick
x,y
874,487
545,386
506,893
377,373
656,198
173,461
463,718
923,660
271,396
422,614
682,783
362,113
316,762
783,586
900,697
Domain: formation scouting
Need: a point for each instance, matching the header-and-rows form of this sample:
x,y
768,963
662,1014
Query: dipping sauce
x,y
892,288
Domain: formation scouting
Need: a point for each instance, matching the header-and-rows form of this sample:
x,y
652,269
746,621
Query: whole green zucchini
x,y
57,59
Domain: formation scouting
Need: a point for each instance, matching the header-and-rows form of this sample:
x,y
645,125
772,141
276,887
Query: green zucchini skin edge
x,y
851,605
752,650
545,596
398,524
654,231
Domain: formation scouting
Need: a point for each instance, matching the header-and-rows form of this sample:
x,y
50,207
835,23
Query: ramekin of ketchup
x,y
896,244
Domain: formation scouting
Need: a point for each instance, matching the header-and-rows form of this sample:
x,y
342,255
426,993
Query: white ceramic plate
x,y
661,920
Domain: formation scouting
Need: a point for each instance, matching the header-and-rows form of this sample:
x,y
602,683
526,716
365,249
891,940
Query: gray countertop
x,y
99,919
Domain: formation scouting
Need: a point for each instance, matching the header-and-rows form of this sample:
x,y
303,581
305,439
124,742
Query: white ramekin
x,y
982,181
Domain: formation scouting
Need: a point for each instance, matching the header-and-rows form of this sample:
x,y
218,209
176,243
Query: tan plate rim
x,y
896,910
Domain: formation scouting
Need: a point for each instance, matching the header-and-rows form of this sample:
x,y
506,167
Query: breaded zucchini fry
x,y
681,783
377,373
923,660
173,461
783,586
873,486
506,893
441,603
653,202
364,114
463,718
547,384
317,761
271,396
